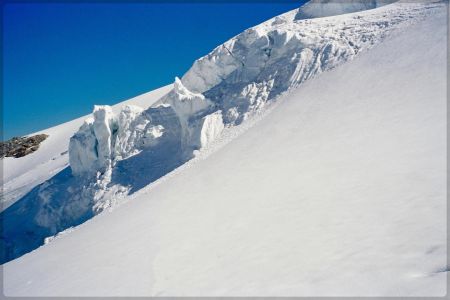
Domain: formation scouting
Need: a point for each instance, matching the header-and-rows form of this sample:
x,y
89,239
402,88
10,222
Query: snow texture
x,y
116,154
339,191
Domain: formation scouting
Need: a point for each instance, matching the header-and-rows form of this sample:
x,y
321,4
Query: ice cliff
x,y
181,117
91,148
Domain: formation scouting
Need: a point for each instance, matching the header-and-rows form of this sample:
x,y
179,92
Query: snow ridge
x,y
113,155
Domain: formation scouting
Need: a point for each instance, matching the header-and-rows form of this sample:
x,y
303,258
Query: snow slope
x,y
340,190
115,154
20,175
234,81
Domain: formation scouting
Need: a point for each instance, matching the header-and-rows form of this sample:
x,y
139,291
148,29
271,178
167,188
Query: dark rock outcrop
x,y
21,146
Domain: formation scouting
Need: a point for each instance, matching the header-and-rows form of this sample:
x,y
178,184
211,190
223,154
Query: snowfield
x,y
337,188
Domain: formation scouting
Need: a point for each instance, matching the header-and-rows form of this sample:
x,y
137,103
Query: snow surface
x,y
340,190
240,76
230,84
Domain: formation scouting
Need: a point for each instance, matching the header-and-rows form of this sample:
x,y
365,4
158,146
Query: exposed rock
x,y
21,146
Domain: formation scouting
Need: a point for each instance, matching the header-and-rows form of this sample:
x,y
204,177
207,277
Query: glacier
x,y
339,191
240,76
116,153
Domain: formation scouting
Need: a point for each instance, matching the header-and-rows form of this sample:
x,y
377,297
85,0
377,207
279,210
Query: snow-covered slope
x,y
20,175
340,190
234,81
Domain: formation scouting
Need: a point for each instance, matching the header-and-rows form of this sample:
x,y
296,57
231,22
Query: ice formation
x,y
106,138
211,127
91,148
234,81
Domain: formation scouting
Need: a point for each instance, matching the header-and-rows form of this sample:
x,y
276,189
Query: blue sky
x,y
61,59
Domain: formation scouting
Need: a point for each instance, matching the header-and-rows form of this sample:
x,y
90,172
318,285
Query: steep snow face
x,y
339,191
115,154
325,8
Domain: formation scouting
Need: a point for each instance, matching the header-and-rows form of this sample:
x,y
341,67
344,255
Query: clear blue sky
x,y
61,59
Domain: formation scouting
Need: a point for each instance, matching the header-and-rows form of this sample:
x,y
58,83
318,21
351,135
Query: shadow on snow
x,y
65,200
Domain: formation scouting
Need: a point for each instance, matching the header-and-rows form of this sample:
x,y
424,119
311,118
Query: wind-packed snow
x,y
339,191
